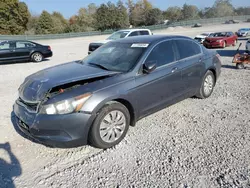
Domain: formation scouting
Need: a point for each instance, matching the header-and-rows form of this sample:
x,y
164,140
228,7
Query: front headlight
x,y
65,106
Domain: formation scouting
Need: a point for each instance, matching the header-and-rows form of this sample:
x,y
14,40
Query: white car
x,y
243,32
118,35
200,38
248,45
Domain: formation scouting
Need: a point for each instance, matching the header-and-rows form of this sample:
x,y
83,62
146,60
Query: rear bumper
x,y
47,54
64,131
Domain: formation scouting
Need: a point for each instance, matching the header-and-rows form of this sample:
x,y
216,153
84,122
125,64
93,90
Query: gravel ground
x,y
195,143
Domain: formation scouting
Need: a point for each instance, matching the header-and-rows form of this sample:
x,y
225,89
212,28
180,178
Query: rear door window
x,y
144,32
24,45
162,54
187,48
134,33
4,45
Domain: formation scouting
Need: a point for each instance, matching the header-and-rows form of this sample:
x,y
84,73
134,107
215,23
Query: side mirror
x,y
149,67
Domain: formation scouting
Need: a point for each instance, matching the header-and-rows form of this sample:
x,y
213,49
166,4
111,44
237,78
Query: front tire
x,y
207,85
36,57
110,126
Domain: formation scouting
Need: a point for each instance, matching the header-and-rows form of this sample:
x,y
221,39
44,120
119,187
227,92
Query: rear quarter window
x,y
187,48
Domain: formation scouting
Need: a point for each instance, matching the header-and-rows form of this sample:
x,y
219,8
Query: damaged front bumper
x,y
68,130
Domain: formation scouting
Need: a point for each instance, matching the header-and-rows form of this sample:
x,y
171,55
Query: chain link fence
x,y
153,27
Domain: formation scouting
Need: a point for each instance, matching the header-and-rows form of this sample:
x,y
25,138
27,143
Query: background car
x,y
197,25
96,100
221,40
232,21
200,38
118,35
243,32
20,50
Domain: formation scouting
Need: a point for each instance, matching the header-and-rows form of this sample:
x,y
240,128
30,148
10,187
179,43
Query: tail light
x,y
49,48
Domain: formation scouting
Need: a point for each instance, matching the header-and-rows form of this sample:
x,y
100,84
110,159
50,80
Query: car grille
x,y
32,107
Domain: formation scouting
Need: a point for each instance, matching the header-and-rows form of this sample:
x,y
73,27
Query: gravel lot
x,y
195,143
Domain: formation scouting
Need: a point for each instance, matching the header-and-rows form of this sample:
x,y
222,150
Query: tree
x,y
243,11
59,23
44,24
111,16
173,14
31,25
223,8
153,16
140,10
122,15
190,12
14,16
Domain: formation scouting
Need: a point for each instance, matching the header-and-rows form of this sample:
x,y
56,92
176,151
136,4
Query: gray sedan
x,y
95,100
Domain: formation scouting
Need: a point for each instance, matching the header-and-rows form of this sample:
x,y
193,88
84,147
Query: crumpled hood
x,y
35,86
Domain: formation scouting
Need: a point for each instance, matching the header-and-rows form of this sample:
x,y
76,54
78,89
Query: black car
x,y
96,99
20,50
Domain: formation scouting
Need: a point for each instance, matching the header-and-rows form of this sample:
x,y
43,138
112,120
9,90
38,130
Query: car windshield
x,y
223,34
204,34
118,35
115,56
240,30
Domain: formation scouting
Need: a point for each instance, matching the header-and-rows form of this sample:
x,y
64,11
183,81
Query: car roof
x,y
16,41
129,30
149,38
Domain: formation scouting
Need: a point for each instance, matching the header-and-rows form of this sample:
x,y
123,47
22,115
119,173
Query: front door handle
x,y
174,69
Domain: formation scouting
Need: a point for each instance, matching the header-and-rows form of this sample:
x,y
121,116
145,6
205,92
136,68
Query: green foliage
x,y
173,13
44,24
190,12
243,11
220,8
153,16
111,16
59,23
140,13
14,16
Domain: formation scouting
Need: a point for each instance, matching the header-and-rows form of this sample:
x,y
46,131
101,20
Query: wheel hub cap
x,y
112,126
208,85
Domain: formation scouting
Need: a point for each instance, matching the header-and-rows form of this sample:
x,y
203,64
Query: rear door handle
x,y
174,69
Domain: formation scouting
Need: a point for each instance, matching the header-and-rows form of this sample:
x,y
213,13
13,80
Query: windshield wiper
x,y
98,65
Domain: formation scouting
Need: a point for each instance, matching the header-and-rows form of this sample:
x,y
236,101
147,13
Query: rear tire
x,y
37,57
110,126
207,85
240,66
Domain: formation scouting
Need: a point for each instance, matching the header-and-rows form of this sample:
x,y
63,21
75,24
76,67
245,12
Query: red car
x,y
221,40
